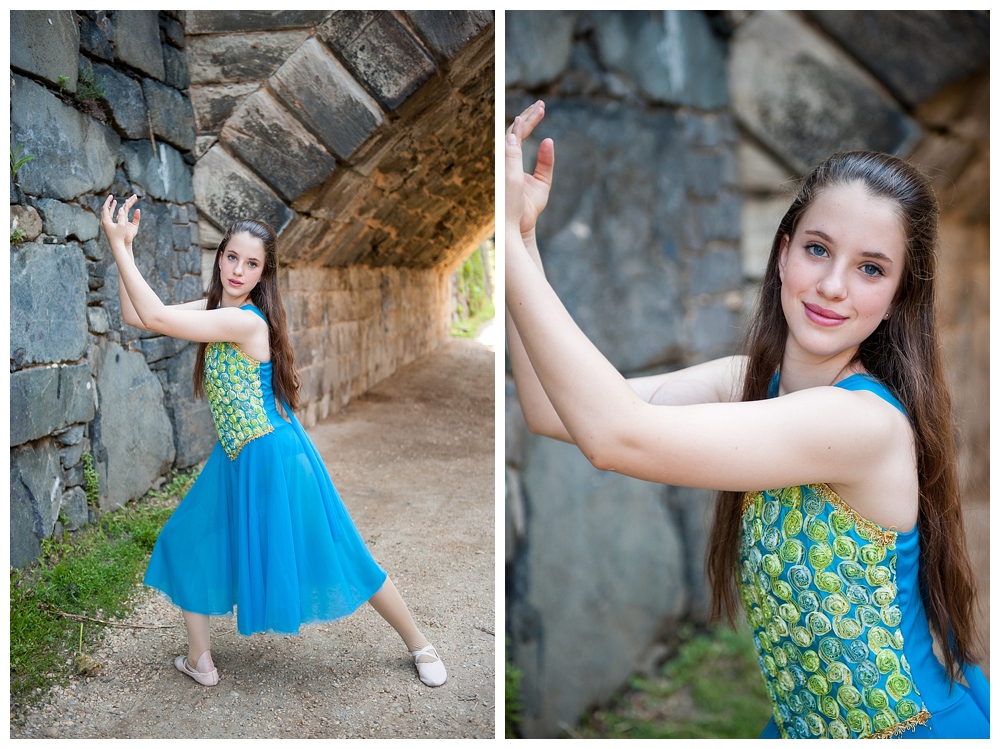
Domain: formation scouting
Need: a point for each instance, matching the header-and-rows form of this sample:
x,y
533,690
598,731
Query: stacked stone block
x,y
81,380
362,136
352,327
365,139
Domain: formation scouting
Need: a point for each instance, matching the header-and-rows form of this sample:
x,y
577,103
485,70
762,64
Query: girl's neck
x,y
802,372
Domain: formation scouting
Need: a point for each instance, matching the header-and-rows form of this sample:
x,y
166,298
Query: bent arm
x,y
818,435
709,382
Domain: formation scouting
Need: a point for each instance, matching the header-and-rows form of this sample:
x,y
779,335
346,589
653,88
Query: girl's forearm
x,y
589,396
129,315
539,415
134,291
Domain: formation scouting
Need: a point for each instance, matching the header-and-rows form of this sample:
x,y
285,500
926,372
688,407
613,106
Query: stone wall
x,y
352,327
158,103
97,98
362,136
679,137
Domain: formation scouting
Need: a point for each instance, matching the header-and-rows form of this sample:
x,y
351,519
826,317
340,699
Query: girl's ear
x,y
783,257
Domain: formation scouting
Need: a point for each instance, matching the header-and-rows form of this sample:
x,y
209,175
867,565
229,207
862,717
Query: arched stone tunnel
x,y
364,137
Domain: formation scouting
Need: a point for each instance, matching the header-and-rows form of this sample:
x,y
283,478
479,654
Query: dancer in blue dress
x,y
263,528
848,572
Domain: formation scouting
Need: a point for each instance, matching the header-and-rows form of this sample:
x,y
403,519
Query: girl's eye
x,y
870,269
816,250
230,256
253,264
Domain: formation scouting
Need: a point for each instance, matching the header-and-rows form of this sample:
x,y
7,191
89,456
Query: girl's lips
x,y
234,282
823,316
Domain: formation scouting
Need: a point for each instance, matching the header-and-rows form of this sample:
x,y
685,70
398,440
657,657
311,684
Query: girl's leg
x,y
389,604
198,640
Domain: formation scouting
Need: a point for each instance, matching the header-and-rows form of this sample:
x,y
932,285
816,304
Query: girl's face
x,y
840,271
241,264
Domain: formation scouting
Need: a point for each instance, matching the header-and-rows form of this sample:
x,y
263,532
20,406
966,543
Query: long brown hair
x,y
267,297
903,354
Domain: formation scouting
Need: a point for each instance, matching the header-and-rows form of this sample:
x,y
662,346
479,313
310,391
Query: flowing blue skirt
x,y
268,534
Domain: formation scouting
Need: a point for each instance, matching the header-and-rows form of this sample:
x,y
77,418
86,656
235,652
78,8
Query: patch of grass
x,y
17,236
512,696
711,689
93,574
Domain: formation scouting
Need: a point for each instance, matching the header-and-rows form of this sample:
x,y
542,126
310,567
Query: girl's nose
x,y
832,285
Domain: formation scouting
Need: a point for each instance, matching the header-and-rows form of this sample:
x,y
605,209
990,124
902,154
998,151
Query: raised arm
x,y
141,305
704,383
821,434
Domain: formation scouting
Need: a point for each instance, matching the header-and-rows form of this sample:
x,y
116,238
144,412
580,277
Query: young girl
x,y
263,527
840,399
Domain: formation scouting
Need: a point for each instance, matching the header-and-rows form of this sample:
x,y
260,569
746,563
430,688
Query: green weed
x,y
512,696
94,575
89,89
17,236
92,486
711,689
17,160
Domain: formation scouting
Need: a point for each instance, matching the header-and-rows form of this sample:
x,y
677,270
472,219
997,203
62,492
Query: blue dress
x,y
263,528
840,628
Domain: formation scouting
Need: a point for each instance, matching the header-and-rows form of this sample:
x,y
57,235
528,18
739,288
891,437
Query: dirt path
x,y
414,462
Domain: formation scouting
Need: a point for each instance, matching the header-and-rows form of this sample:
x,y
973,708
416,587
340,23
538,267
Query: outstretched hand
x,y
533,188
120,228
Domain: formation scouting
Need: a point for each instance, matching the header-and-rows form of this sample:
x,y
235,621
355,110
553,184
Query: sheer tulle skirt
x,y
268,534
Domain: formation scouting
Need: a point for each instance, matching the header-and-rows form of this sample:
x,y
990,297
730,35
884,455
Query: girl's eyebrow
x,y
874,254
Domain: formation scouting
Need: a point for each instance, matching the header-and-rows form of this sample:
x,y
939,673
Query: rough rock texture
x,y
222,21
44,43
137,42
352,327
225,191
804,98
233,58
163,174
445,32
62,220
672,56
74,154
413,189
619,598
26,219
538,46
48,285
170,113
622,237
137,451
267,138
46,399
331,104
213,104
380,52
123,101
915,53
36,490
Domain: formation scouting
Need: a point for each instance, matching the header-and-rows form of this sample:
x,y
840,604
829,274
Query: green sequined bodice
x,y
235,390
818,583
